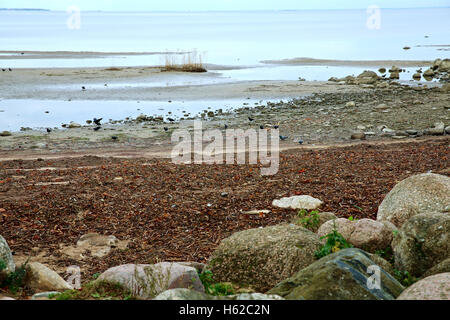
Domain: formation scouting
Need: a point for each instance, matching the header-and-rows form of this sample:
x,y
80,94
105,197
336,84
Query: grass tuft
x,y
189,62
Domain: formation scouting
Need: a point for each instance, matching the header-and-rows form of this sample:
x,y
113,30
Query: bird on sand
x,y
171,120
261,127
225,126
300,141
114,138
83,88
166,129
283,138
49,130
250,119
97,128
276,126
97,121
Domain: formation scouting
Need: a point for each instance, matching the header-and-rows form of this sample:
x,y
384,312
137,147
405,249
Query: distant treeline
x,y
22,9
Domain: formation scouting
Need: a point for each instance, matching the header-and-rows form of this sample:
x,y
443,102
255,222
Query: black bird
x,y
49,130
3,70
261,127
226,126
250,119
97,121
114,138
300,141
83,88
283,138
276,126
9,69
171,120
166,129
97,128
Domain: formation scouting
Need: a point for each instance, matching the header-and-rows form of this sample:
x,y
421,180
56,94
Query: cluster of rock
x,y
440,69
279,261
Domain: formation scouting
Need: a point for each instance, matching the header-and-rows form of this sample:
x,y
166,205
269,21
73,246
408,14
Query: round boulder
x,y
366,234
422,242
418,194
260,258
436,287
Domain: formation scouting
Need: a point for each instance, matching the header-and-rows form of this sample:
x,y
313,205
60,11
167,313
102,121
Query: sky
x,y
196,5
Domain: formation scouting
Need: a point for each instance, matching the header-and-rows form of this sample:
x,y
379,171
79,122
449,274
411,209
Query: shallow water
x,y
227,38
15,114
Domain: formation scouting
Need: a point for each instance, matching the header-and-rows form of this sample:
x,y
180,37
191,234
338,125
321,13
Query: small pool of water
x,y
15,114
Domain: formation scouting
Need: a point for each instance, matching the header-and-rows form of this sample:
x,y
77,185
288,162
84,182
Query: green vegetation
x,y
309,220
215,289
386,254
404,277
96,290
14,281
335,242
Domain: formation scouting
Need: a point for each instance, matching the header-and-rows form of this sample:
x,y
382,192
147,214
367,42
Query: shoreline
x,y
349,63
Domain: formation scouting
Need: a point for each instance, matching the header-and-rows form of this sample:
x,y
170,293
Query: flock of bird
x,y
97,122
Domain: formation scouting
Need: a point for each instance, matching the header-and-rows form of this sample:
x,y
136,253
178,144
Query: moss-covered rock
x,y
422,242
343,275
260,258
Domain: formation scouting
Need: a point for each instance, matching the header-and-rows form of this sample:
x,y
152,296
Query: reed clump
x,y
184,62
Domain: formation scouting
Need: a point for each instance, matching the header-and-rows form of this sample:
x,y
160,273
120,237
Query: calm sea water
x,y
222,38
229,38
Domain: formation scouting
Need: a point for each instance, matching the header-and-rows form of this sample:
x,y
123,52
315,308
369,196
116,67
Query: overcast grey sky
x,y
193,5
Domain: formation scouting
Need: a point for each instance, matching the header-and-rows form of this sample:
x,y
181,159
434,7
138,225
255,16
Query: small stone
x,y
350,104
358,136
298,202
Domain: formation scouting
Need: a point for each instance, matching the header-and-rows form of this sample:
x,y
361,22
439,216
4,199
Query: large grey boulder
x,y
436,287
260,258
418,194
188,294
344,275
422,243
6,258
147,281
